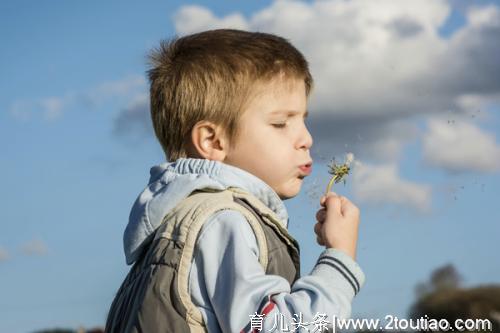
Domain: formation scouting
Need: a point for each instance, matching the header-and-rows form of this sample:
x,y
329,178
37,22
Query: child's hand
x,y
337,225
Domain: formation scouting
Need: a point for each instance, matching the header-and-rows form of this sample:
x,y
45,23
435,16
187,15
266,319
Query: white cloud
x,y
124,87
381,184
354,47
134,121
4,255
34,247
54,107
460,146
377,64
479,16
194,18
367,138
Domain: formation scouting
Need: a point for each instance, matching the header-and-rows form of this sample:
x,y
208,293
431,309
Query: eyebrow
x,y
289,113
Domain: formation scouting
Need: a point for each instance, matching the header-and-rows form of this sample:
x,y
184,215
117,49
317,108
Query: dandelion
x,y
339,172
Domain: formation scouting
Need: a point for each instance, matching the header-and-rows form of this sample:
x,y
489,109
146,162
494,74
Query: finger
x,y
319,233
333,205
348,208
344,202
317,229
320,215
323,198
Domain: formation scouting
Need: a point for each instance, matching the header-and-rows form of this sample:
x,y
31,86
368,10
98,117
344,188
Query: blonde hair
x,y
211,76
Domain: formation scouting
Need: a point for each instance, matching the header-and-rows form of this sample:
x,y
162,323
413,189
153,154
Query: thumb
x,y
323,198
333,205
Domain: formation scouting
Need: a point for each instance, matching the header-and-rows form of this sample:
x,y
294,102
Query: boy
x,y
208,236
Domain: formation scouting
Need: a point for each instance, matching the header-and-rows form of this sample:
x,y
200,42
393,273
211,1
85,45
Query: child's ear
x,y
208,141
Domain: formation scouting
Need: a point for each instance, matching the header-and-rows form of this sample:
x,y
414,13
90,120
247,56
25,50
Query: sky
x,y
412,88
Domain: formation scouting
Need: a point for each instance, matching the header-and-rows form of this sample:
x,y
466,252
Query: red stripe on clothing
x,y
268,308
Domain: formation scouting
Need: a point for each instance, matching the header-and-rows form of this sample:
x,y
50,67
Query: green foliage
x,y
443,298
451,304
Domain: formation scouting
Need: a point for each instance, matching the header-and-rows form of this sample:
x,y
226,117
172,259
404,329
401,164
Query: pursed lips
x,y
305,169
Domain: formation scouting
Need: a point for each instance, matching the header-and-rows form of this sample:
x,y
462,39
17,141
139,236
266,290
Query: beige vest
x,y
154,296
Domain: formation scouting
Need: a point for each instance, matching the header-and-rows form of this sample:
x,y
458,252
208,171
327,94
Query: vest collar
x,y
228,176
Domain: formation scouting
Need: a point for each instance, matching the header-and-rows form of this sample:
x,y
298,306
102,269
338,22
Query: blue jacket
x,y
327,290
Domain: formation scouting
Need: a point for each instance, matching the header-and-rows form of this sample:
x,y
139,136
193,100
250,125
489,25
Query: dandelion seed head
x,y
339,171
349,158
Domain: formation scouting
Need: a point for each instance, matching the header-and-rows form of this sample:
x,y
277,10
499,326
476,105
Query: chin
x,y
289,194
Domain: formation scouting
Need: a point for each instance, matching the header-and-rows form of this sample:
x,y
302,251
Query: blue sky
x,y
76,147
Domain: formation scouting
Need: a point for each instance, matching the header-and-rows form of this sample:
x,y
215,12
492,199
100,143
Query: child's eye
x,y
282,125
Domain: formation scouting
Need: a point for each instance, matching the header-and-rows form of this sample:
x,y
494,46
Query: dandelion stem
x,y
330,184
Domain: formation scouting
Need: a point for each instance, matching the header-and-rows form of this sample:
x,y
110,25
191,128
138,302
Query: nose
x,y
305,140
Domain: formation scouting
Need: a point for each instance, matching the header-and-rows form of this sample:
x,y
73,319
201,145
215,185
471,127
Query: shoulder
x,y
227,226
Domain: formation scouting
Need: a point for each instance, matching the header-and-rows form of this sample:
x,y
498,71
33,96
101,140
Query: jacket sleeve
x,y
234,294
